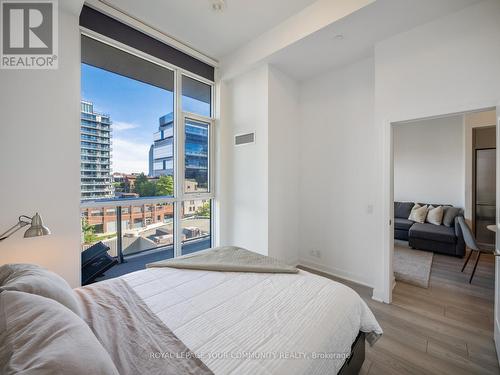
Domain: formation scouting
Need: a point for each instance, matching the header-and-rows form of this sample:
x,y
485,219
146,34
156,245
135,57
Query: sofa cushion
x,y
418,213
402,209
435,215
449,215
431,232
402,224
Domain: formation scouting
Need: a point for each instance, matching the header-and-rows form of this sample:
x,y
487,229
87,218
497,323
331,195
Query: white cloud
x,y
121,126
130,156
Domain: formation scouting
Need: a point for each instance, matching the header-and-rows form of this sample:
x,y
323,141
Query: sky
x,y
134,108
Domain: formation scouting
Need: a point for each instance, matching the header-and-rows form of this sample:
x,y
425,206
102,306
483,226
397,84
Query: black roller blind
x,y
103,56
114,29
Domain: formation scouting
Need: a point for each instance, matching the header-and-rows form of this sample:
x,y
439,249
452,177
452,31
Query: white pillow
x,y
30,278
435,215
418,213
40,336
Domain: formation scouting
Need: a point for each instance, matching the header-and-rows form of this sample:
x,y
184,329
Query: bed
x,y
230,322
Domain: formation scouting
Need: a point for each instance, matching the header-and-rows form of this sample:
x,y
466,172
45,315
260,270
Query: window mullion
x,y
179,164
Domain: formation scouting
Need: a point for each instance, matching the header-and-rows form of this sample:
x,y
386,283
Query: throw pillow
x,y
30,278
418,213
449,215
435,215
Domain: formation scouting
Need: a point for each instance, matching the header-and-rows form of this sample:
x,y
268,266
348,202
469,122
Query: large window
x,y
145,160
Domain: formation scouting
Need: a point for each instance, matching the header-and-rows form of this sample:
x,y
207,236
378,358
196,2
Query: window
x,y
196,156
145,162
196,226
196,97
152,230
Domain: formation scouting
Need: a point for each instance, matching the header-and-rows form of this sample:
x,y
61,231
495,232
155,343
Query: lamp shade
x,y
37,228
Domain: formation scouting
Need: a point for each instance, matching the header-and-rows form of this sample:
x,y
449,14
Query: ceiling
x,y
322,51
215,34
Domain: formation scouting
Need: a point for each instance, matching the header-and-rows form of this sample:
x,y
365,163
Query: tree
x,y
88,230
144,187
119,186
204,210
165,185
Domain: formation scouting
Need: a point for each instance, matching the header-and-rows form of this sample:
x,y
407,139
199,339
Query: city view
x,y
127,152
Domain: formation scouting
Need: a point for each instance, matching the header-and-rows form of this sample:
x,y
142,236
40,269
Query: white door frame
x,y
496,312
387,224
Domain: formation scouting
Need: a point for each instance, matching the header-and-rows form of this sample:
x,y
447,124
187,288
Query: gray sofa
x,y
426,236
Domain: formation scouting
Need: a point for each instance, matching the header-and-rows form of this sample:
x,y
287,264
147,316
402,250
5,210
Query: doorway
x,y
389,281
484,184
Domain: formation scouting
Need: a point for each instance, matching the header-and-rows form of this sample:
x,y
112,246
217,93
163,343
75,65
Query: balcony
x,y
146,232
105,192
104,118
95,125
87,169
97,170
91,132
103,141
95,183
87,154
137,262
94,147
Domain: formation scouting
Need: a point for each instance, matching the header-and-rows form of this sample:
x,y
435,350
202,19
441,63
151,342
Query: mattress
x,y
257,323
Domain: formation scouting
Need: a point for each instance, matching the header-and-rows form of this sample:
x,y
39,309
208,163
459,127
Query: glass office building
x,y
195,154
161,153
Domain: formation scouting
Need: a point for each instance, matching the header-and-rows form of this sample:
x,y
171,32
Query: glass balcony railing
x,y
89,138
95,153
89,169
93,132
95,146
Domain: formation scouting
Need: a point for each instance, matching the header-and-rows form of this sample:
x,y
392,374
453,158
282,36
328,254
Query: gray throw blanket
x,y
227,259
135,338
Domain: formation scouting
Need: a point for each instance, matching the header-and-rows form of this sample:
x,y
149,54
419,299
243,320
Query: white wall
x,y
337,165
442,67
244,169
259,182
40,153
497,246
284,148
429,160
445,66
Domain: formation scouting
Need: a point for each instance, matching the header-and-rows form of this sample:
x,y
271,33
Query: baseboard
x,y
496,336
294,262
334,272
378,295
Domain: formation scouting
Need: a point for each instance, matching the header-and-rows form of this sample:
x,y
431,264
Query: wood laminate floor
x,y
445,329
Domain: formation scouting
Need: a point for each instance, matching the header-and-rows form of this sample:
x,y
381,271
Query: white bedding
x,y
224,317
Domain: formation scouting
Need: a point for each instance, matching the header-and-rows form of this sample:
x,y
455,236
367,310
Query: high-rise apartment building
x,y
95,151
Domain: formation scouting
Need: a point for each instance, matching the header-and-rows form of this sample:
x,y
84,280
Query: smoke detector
x,y
218,5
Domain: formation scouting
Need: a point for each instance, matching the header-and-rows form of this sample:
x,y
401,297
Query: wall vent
x,y
243,139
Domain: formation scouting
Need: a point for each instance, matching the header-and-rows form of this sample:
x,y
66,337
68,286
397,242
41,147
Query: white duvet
x,y
257,323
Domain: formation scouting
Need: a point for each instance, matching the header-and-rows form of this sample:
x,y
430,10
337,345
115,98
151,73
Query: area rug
x,y
412,266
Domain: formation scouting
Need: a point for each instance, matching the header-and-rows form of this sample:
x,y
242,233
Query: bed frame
x,y
353,364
